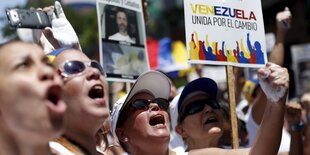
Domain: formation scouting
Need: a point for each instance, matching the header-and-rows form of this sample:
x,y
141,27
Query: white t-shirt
x,y
252,128
60,148
120,37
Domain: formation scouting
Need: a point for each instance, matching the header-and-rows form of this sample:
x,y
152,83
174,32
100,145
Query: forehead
x,y
70,54
142,95
194,96
121,13
16,50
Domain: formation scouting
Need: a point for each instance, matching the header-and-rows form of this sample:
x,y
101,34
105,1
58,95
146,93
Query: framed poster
x,y
122,39
301,65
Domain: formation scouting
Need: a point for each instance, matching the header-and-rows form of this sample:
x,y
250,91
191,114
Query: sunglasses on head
x,y
197,106
142,104
75,67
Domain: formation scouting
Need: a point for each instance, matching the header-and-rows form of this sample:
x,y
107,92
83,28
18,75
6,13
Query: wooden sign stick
x,y
232,106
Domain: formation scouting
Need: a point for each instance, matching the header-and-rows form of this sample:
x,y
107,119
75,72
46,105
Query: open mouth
x,y
157,119
96,92
211,119
54,94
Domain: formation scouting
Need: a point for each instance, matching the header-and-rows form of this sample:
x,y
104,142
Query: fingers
x,y
48,33
278,76
294,106
287,12
50,12
59,11
274,81
284,18
293,109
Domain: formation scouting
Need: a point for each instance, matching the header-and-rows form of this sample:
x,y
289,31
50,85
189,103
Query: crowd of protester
x,y
55,100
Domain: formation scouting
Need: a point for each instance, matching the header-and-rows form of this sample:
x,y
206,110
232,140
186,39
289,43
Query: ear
x,y
179,129
120,135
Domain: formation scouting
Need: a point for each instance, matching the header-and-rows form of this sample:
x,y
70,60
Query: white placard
x,y
227,32
122,39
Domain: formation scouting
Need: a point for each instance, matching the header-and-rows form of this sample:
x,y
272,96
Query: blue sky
x,y
7,4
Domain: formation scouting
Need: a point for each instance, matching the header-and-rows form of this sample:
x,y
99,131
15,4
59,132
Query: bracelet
x,y
297,127
113,145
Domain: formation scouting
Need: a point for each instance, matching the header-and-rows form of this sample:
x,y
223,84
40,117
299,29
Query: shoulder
x,y
116,35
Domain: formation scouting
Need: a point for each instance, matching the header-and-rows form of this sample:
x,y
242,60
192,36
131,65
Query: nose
x,y
46,72
154,107
207,109
92,73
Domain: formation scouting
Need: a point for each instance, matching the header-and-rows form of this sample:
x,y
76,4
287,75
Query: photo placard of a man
x,y
122,23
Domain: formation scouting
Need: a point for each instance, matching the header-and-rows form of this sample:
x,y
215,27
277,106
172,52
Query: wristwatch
x,y
297,126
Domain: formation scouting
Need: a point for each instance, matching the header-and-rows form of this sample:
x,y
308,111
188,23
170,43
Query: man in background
x,y
122,23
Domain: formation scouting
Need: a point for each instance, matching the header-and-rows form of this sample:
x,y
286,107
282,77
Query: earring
x,y
126,139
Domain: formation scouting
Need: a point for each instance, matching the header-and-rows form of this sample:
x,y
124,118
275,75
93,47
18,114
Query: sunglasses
x,y
75,67
142,104
197,106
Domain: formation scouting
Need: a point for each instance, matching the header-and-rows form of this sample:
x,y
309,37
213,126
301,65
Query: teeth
x,y
96,92
212,118
97,87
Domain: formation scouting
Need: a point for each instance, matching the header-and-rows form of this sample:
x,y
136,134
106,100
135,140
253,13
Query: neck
x,y
124,33
16,143
203,143
86,142
162,148
29,149
157,151
7,144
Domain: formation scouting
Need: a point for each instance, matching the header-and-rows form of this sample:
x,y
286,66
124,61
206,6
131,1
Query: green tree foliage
x,y
84,23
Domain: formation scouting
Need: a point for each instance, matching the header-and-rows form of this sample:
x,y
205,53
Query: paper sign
x,y
122,39
227,32
301,65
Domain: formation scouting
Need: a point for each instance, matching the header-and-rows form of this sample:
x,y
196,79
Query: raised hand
x,y
274,81
283,19
61,34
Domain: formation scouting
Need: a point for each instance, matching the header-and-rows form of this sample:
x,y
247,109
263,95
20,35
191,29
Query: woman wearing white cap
x,y
140,120
200,121
141,124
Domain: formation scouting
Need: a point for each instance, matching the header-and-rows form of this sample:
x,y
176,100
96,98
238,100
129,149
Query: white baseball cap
x,y
153,82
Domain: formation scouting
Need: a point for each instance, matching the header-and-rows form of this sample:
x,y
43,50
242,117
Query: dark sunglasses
x,y
142,104
75,67
197,106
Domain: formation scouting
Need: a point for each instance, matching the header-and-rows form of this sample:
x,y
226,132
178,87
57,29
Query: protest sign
x,y
122,39
301,65
227,32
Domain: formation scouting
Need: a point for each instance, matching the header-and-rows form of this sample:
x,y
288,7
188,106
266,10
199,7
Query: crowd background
x,y
166,21
167,16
